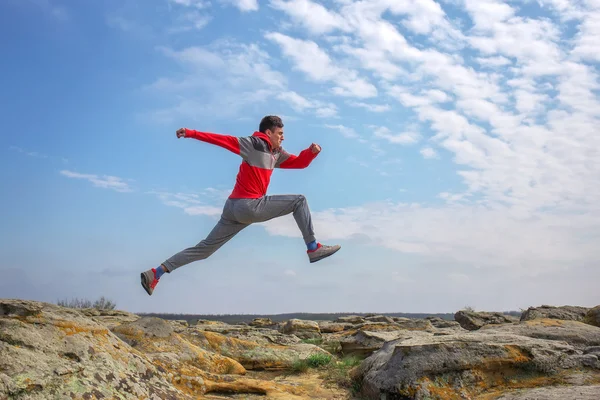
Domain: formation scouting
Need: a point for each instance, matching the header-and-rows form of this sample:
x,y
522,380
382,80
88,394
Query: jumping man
x,y
248,203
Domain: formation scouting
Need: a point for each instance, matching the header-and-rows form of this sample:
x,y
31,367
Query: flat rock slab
x,y
555,393
467,365
565,313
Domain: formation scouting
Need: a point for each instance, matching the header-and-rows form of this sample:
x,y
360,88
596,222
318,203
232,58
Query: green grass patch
x,y
313,361
338,373
318,360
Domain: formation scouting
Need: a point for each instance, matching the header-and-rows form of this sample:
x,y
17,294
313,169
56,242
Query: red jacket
x,y
259,160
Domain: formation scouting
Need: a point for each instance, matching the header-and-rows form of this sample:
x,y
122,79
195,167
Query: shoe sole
x,y
145,283
314,260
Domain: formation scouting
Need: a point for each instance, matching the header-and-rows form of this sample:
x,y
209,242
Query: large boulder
x,y
577,334
262,322
467,365
565,313
156,338
363,343
258,335
350,319
414,324
301,328
380,318
441,323
471,320
333,327
51,352
575,392
252,355
592,317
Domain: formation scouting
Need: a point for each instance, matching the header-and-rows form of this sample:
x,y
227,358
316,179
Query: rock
x,y
262,322
438,322
465,365
592,350
364,343
577,334
302,328
333,327
156,338
380,318
555,393
258,335
565,313
178,325
376,327
252,355
49,352
472,321
112,318
351,319
592,317
415,325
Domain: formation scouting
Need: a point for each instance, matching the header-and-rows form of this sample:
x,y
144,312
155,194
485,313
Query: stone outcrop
x,y
351,319
565,313
472,321
592,317
47,351
262,322
302,328
467,365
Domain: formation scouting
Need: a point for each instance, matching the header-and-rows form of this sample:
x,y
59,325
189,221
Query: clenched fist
x,y
180,132
315,148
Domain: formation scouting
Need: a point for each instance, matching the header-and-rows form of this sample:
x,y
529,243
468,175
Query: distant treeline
x,y
241,318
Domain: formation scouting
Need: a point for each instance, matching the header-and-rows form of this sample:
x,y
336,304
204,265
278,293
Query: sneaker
x,y
149,280
321,252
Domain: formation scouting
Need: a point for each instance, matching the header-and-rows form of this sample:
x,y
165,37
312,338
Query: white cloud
x,y
408,137
301,104
344,130
105,181
245,5
221,79
517,111
191,203
377,108
199,4
475,237
428,152
498,61
314,17
28,153
318,66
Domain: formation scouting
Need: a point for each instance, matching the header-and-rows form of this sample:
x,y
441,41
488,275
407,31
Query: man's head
x,y
272,126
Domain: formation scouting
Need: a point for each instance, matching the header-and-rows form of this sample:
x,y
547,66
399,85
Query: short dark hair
x,y
270,122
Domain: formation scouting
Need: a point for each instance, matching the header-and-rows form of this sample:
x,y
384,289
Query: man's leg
x,y
269,207
223,231
220,234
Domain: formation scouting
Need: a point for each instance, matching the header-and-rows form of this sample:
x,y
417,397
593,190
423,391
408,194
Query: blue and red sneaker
x,y
149,280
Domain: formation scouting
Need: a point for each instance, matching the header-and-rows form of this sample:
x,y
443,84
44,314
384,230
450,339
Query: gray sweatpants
x,y
240,213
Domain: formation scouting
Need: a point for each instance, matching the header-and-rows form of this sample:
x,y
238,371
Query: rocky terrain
x,y
52,352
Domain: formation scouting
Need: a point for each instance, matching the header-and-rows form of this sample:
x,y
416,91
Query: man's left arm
x,y
302,160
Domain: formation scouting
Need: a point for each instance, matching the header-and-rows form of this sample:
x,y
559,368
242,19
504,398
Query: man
x,y
248,203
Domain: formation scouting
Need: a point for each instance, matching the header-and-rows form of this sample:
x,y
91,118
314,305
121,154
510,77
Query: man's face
x,y
276,137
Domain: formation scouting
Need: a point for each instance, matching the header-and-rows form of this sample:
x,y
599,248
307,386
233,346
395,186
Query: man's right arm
x,y
228,142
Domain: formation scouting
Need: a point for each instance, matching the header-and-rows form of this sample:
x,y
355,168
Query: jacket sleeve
x,y
228,142
291,161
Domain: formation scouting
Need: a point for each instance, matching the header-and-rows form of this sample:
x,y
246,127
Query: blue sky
x,y
459,163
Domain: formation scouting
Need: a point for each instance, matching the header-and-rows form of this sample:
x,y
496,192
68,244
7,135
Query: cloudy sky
x,y
460,163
